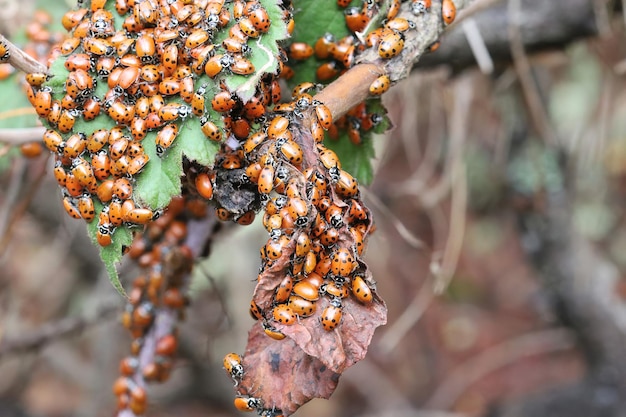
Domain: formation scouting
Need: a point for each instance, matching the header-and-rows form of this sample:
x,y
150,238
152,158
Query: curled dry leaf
x,y
282,374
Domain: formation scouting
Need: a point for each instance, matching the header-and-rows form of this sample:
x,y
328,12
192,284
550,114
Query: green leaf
x,y
112,254
357,159
313,20
160,179
263,58
16,112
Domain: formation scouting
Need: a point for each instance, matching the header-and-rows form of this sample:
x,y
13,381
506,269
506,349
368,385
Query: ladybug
x,y
303,245
170,58
242,66
342,262
84,174
165,138
400,24
356,20
290,150
448,11
86,208
323,46
334,291
273,333
210,130
247,403
394,9
72,186
122,188
37,79
253,171
196,38
117,149
103,235
248,28
266,179
253,142
306,290
98,46
235,46
283,291
420,6
274,248
91,108
223,102
317,131
70,207
328,235
334,216
361,290
204,185
272,222
166,345
137,163
101,165
139,216
277,126
391,45
298,210
284,314
122,113
232,364
53,141
246,219
197,104
72,18
301,307
329,158
324,116
346,185
259,17
331,316
145,48
172,111
43,102
300,51
380,85
169,86
255,311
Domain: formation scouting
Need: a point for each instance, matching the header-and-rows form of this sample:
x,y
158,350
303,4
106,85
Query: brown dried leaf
x,y
282,375
347,344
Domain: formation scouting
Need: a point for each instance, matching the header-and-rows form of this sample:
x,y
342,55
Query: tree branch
x,y
50,332
21,60
543,25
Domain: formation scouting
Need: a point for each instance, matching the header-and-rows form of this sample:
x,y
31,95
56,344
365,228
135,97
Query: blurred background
x,y
500,247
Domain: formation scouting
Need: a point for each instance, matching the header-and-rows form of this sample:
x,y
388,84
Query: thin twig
x,y
523,70
470,11
54,331
20,136
478,46
402,230
494,358
20,209
21,60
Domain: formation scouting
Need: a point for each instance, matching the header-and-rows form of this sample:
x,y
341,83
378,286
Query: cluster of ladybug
x,y
337,56
166,261
167,64
150,67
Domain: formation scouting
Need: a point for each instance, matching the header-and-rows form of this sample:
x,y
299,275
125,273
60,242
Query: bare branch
x,y
21,60
19,136
53,331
